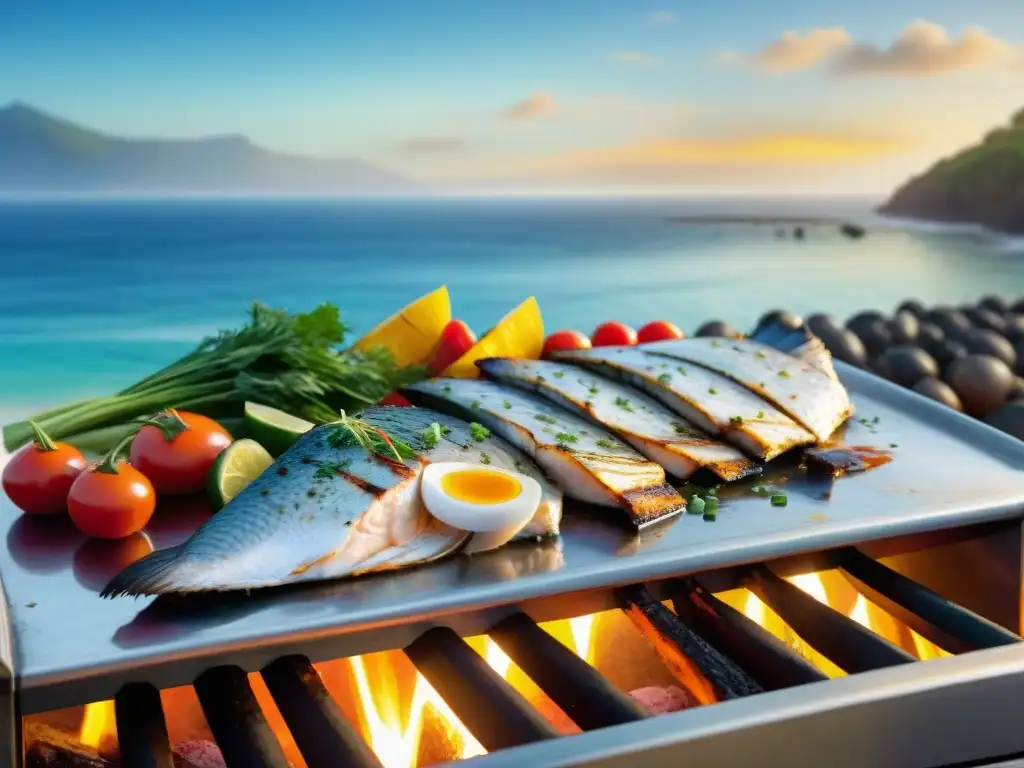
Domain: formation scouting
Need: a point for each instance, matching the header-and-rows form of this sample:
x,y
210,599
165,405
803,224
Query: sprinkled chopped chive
x,y
665,378
431,435
760,414
680,429
893,445
712,391
696,506
558,374
785,374
664,365
446,388
548,430
327,470
484,458
311,492
518,464
475,404
624,404
778,500
507,405
566,437
264,491
735,419
680,370
540,379
604,442
593,391
762,385
710,505
545,418
760,355
31,605
716,343
478,432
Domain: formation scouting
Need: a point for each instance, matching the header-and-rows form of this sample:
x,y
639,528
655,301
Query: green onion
x,y
478,431
779,500
697,505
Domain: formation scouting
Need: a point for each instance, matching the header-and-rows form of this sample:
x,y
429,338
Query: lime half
x,y
237,466
273,429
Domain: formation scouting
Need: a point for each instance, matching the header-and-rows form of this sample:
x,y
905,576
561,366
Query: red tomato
x,y
613,334
565,340
38,476
395,399
111,500
456,340
659,330
176,450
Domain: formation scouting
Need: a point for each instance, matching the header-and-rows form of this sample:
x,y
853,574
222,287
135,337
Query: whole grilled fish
x,y
641,421
327,509
713,402
588,463
800,389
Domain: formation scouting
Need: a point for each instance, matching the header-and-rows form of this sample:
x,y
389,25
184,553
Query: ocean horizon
x,y
99,292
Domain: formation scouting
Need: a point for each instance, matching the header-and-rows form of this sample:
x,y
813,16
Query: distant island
x,y
41,154
983,185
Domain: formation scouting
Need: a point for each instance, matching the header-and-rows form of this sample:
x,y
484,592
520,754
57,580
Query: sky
x,y
584,95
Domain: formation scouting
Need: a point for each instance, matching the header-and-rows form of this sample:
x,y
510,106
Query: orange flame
x,y
98,724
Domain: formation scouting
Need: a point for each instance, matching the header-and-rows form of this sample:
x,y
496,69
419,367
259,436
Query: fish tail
x,y
799,342
149,575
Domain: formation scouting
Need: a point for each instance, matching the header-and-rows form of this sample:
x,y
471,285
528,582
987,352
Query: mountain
x,y
42,154
983,184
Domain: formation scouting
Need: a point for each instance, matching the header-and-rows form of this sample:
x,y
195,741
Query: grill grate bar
x,y
238,724
772,663
493,711
949,626
703,670
581,691
842,640
323,734
141,728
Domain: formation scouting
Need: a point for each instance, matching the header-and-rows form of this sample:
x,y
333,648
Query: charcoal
x,y
48,747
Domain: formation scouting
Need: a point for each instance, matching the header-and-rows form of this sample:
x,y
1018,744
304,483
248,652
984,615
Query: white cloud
x,y
540,104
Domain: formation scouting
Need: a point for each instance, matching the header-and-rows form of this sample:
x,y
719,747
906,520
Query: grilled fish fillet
x,y
586,461
709,400
641,421
322,512
798,388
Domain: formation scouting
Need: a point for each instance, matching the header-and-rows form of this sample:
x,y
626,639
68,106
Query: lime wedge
x,y
273,429
237,466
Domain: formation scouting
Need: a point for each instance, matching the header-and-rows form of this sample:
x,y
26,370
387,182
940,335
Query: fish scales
x,y
655,431
324,511
589,463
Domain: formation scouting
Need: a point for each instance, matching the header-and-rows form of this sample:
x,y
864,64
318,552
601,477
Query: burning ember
x,y
408,724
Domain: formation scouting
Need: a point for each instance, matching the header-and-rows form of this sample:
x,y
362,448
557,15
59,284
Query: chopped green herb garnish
x,y
680,370
624,404
432,435
716,343
665,378
735,419
547,430
518,464
604,442
664,365
680,428
540,379
311,493
558,374
545,418
710,505
566,437
785,374
893,445
329,469
446,388
760,414
760,355
484,458
348,432
696,505
478,431
778,500
507,405
712,391
264,491
475,404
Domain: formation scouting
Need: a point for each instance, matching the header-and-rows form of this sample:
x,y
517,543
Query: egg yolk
x,y
480,486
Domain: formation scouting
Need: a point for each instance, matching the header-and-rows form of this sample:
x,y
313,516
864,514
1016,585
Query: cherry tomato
x,y
565,340
111,500
38,476
659,330
395,399
613,334
176,450
456,340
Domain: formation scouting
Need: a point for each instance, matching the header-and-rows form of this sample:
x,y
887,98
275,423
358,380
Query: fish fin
x,y
149,575
799,342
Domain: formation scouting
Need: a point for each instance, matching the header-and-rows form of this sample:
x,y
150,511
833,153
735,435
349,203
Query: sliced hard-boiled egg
x,y
478,498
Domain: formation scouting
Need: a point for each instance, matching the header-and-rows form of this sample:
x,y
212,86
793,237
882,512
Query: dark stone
x,y
1019,351
994,303
952,322
930,338
914,307
780,317
1008,418
1018,306
982,383
716,328
947,352
819,320
874,333
844,345
984,342
906,365
987,319
903,328
1017,393
939,391
1014,327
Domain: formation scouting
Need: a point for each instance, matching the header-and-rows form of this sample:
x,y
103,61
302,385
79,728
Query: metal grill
x,y
718,652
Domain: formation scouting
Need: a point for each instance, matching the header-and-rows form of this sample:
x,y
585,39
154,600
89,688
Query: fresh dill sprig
x,y
349,431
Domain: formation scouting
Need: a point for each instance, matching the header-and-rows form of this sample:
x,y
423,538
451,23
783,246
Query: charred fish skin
x,y
326,510
643,422
798,388
711,401
586,461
